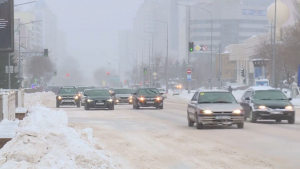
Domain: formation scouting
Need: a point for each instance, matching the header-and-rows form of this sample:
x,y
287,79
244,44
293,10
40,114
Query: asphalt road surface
x,y
150,138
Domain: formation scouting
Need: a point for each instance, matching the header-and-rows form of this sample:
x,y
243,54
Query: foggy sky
x,y
92,26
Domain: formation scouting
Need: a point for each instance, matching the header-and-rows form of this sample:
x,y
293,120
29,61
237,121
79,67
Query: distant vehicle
x,y
262,82
176,91
214,107
136,86
53,89
98,98
163,93
123,95
147,97
67,95
264,102
80,90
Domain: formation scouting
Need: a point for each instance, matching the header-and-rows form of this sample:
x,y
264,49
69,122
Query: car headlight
x,y
89,100
59,97
76,97
237,112
158,98
207,112
130,97
289,108
262,107
79,95
141,99
110,100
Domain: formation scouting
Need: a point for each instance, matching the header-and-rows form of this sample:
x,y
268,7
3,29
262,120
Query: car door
x,y
193,105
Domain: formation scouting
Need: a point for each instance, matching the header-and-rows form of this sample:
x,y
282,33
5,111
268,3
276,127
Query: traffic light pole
x,y
188,38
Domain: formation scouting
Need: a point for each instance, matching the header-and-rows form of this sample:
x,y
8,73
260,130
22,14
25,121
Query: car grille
x,y
149,99
68,98
276,107
223,112
123,97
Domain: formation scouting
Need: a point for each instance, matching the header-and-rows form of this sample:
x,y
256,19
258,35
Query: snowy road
x,y
150,138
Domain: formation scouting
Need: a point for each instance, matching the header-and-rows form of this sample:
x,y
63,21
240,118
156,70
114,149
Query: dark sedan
x,y
147,97
98,98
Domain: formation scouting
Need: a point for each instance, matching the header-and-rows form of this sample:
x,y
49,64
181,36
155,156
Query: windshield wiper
x,y
222,102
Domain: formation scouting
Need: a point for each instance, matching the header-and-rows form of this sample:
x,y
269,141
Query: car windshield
x,y
269,95
148,92
132,90
97,93
122,91
81,89
67,91
216,97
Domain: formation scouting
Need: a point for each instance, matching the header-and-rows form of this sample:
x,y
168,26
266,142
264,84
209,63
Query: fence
x,y
9,101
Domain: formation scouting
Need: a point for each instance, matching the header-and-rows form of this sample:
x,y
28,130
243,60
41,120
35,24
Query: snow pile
x,y
296,102
42,98
44,140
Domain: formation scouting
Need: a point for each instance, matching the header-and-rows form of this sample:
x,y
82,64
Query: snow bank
x,y
44,140
43,98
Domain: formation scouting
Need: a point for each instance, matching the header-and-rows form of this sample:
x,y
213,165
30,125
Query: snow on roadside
x,y
43,98
44,140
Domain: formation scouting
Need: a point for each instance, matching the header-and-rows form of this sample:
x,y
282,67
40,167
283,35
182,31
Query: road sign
x,y
154,74
204,48
197,47
189,71
6,25
189,77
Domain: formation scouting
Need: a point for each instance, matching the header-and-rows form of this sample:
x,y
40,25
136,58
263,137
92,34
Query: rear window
x,y
216,97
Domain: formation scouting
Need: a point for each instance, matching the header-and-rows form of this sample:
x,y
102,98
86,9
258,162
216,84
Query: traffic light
x,y
145,70
55,73
68,75
243,72
107,73
191,46
244,81
46,52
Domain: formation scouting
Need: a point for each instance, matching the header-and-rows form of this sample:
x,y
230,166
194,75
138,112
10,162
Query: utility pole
x,y
142,67
274,48
220,65
188,40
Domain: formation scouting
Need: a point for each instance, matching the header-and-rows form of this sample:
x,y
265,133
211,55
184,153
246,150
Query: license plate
x,y
68,100
99,103
276,112
150,102
222,117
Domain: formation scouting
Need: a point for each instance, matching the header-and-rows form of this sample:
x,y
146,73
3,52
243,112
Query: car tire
x,y
291,120
190,122
57,105
240,125
252,119
198,125
86,107
278,120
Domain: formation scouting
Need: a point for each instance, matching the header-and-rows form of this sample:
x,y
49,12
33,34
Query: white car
x,y
163,92
176,92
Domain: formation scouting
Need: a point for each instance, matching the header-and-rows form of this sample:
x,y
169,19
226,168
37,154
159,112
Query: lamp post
x,y
19,73
149,62
167,53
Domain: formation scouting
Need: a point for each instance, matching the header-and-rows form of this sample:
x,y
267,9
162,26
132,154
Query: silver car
x,y
214,108
123,95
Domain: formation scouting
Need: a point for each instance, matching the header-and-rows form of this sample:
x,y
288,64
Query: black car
x,y
98,98
147,97
80,90
67,95
267,103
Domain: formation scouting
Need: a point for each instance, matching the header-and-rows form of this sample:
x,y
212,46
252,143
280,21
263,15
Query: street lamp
x,y
189,19
19,73
167,53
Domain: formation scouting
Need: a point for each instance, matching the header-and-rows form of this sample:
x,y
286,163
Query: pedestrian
x,y
230,89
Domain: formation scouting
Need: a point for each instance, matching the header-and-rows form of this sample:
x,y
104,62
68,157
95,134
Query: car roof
x,y
68,87
213,90
260,88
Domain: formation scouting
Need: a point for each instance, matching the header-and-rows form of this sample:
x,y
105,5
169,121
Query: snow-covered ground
x,y
44,140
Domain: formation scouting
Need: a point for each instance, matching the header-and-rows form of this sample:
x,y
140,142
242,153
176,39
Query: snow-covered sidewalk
x,y
44,140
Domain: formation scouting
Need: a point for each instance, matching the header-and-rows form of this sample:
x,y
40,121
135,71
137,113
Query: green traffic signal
x,y
191,49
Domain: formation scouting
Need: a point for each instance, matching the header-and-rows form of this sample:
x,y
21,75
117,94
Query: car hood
x,y
149,96
123,95
220,107
67,95
272,103
98,97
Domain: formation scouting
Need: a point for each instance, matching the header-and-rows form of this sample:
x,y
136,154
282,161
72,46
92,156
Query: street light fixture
x,y
167,53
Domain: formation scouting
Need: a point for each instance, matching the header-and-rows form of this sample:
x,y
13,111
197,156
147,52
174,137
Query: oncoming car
x,y
267,103
123,95
98,98
147,97
67,95
214,108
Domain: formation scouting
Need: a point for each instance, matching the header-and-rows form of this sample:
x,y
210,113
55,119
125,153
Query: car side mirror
x,y
247,98
193,102
290,99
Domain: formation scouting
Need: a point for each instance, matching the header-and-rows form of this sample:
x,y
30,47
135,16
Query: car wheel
x,y
278,120
240,125
57,105
190,122
291,120
198,125
86,107
252,119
